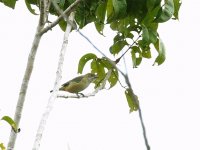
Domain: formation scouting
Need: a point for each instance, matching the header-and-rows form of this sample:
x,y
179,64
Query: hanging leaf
x,y
11,122
84,59
145,33
177,5
160,47
100,15
136,56
98,68
28,5
132,100
117,47
114,74
166,12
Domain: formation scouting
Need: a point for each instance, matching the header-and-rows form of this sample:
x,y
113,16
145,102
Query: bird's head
x,y
91,77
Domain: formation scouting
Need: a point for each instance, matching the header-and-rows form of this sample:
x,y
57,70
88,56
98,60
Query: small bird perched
x,y
78,84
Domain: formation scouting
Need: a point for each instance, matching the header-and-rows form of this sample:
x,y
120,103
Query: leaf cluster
x,y
135,23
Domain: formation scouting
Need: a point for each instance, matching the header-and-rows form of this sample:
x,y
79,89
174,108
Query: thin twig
x,y
135,99
118,59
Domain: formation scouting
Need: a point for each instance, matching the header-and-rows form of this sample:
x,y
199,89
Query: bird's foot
x,y
79,95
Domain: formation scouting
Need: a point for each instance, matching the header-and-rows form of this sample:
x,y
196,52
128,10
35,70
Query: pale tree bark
x,y
53,96
28,71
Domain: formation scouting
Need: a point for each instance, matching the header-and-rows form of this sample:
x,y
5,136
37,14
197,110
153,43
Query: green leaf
x,y
146,53
159,46
11,122
152,28
136,56
28,5
132,100
63,24
145,33
84,59
114,74
151,4
165,12
100,14
98,68
117,10
113,78
177,5
117,47
9,3
2,146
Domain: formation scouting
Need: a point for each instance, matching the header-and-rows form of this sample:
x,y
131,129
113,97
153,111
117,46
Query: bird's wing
x,y
77,80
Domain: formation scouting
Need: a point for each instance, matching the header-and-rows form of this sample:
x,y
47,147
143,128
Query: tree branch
x,y
27,75
65,13
53,96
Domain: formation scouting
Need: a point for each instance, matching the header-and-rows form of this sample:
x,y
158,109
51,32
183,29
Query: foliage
x,y
9,3
135,23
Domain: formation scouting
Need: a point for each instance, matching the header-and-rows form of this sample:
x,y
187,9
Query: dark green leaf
x,y
165,12
9,3
145,33
177,5
117,10
63,25
132,100
159,46
151,4
28,5
84,60
11,122
152,28
117,47
100,14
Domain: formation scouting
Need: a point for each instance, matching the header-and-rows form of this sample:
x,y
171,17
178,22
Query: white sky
x,y
169,94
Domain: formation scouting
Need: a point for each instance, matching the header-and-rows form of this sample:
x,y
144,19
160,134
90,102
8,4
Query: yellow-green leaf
x,y
11,122
160,47
177,5
132,100
136,56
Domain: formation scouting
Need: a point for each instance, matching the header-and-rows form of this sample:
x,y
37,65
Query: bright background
x,y
169,94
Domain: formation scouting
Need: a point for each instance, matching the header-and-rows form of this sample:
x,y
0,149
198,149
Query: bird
x,y
78,84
